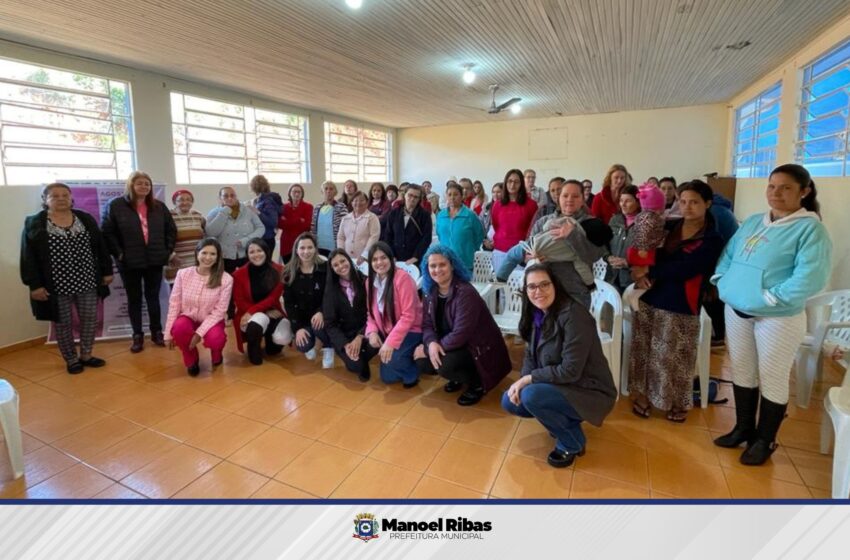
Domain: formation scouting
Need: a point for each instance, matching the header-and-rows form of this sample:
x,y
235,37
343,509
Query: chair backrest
x,y
600,268
605,293
482,266
410,269
514,304
830,308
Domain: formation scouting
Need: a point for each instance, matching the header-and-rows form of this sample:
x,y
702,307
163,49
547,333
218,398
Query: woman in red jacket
x,y
256,292
511,216
606,202
295,219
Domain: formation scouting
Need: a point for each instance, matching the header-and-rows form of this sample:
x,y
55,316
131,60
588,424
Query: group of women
x,y
764,274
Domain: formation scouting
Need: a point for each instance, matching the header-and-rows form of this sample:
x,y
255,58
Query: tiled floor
x,y
141,427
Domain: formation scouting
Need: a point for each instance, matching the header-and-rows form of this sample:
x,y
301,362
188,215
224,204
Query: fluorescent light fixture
x,y
516,108
354,4
468,76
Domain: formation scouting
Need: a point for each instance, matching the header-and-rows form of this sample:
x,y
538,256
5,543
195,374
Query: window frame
x,y
756,168
362,174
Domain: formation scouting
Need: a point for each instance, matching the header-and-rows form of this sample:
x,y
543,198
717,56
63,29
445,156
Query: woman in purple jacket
x,y
461,341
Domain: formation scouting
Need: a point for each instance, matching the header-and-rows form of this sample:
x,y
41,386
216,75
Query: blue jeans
x,y
312,335
548,405
513,258
401,366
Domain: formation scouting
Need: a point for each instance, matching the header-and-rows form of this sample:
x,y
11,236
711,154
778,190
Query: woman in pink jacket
x,y
394,319
197,306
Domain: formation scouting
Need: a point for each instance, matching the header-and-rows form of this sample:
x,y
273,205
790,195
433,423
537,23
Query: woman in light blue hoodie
x,y
770,267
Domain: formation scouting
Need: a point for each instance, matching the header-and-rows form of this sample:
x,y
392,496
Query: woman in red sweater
x,y
256,291
511,216
295,219
605,203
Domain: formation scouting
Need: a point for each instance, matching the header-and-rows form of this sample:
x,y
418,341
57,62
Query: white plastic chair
x,y
482,279
414,272
703,365
836,420
612,342
600,268
827,317
508,320
9,407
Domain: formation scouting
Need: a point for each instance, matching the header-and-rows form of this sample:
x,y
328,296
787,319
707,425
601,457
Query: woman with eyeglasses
x,y
511,216
565,378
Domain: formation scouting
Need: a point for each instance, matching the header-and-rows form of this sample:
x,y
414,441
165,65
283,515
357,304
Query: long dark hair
x,y
389,296
521,194
526,319
803,178
269,276
217,270
356,276
293,267
383,192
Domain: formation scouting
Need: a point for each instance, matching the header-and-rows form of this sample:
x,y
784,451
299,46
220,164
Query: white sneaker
x,y
327,358
310,354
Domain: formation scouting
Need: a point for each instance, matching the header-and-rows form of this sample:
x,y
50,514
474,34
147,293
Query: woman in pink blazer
x,y
394,319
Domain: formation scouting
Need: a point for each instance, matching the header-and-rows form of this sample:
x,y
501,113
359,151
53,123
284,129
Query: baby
x,y
544,247
648,232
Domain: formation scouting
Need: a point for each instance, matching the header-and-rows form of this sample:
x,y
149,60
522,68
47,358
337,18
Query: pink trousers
x,y
182,332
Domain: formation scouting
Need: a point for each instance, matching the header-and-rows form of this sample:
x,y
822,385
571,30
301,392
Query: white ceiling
x,y
398,62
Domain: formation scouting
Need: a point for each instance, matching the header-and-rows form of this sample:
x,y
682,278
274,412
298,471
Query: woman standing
x,y
344,309
393,198
511,216
141,235
348,190
295,219
565,378
618,273
770,267
359,229
198,305
190,229
394,321
256,293
379,205
268,206
459,228
65,263
486,216
479,198
305,277
666,324
461,341
605,203
326,219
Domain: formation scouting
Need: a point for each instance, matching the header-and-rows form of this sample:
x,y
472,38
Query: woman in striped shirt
x,y
190,229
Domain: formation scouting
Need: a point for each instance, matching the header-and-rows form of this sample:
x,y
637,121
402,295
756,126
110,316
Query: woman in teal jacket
x,y
459,228
770,267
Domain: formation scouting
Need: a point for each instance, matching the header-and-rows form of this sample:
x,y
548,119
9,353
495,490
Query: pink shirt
x,y
408,311
191,297
511,222
142,211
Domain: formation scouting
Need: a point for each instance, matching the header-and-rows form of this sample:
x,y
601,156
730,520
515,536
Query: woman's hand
x,y
301,337
374,340
563,231
514,390
643,283
243,322
488,244
435,354
196,339
107,280
41,294
386,353
318,321
617,262
274,314
353,347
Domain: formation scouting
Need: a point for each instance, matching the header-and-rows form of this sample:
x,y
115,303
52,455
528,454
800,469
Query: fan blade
x,y
507,104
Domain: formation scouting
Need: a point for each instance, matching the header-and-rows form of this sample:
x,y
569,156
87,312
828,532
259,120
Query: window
x,y
822,137
757,134
356,153
58,125
217,142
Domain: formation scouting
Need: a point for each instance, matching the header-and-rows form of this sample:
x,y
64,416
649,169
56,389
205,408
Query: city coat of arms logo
x,y
365,527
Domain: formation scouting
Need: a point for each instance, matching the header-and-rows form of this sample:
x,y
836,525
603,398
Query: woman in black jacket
x,y
141,234
65,264
565,378
345,314
305,277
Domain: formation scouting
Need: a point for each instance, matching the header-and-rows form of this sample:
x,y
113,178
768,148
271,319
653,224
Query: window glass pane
x,y
837,56
756,134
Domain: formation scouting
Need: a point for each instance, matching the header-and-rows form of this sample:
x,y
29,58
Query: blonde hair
x,y
130,193
294,265
331,183
606,182
260,185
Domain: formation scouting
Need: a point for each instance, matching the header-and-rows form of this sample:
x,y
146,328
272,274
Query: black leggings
x,y
133,279
361,365
457,365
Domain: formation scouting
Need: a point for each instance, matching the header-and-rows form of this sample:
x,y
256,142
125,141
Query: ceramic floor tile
x,y
377,480
93,383
171,472
434,488
815,469
39,466
388,405
434,416
320,469
410,448
312,420
224,481
344,395
485,428
532,440
779,466
521,477
303,387
118,492
587,486
271,451
96,437
274,490
681,477
155,407
467,464
618,461
753,485
357,432
271,408
798,434
131,454
225,437
190,421
77,482
236,395
62,417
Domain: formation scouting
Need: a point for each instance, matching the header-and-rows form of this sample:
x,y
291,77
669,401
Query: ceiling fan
x,y
499,108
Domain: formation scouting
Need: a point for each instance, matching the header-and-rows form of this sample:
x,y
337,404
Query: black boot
x,y
746,404
253,337
770,418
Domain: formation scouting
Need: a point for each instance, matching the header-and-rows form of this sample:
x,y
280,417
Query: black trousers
x,y
254,336
229,266
457,365
367,352
716,310
133,280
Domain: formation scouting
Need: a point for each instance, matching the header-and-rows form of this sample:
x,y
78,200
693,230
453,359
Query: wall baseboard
x,y
37,341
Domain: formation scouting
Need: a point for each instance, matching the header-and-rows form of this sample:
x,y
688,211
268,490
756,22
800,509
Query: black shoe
x,y
746,405
138,343
470,396
718,343
75,367
452,386
411,385
771,415
158,339
562,459
365,375
253,336
93,362
194,369
758,453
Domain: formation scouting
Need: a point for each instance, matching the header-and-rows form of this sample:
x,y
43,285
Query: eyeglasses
x,y
541,286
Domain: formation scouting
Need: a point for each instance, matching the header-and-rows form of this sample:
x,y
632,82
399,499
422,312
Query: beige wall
x,y
832,191
684,142
152,119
